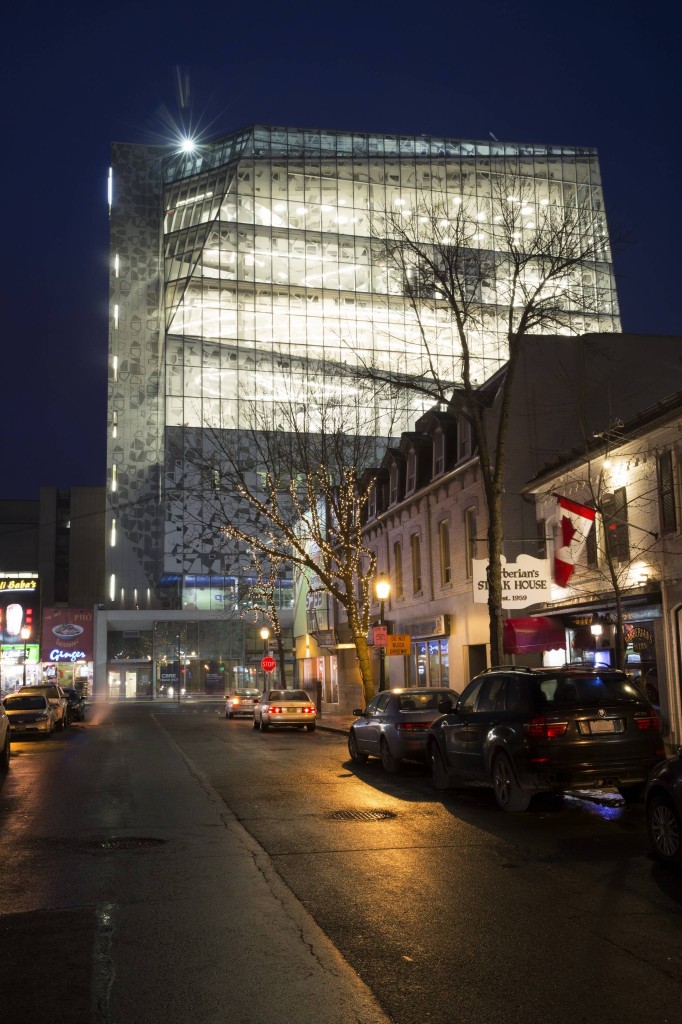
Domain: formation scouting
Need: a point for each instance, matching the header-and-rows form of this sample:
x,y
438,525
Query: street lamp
x,y
265,636
382,591
25,636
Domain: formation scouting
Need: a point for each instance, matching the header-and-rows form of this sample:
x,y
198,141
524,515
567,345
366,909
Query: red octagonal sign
x,y
268,664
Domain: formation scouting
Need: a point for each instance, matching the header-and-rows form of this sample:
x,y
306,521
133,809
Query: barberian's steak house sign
x,y
67,634
524,582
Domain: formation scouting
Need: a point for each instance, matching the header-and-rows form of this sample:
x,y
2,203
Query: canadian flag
x,y
575,523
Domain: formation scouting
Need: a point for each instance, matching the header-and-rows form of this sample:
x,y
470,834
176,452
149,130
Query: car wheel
x,y
355,754
633,794
310,727
665,829
389,762
439,776
264,726
4,756
509,795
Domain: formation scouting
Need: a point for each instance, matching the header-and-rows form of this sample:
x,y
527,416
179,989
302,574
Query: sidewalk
x,y
335,723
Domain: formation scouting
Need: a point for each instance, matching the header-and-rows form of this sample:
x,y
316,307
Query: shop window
x,y
666,493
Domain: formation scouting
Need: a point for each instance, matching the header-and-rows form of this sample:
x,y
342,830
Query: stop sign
x,y
268,664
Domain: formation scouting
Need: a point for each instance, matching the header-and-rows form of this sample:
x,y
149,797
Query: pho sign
x,y
268,664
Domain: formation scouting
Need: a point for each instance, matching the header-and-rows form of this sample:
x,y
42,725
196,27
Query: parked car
x,y
291,709
57,699
75,704
5,739
30,714
241,702
664,810
526,731
394,724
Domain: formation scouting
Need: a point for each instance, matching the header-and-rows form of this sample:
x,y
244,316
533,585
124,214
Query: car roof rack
x,y
507,668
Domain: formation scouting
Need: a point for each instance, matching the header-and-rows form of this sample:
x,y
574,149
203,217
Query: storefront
x,y
67,647
19,630
429,660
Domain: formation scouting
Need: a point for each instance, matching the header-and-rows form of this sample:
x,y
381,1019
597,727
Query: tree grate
x,y
361,815
129,842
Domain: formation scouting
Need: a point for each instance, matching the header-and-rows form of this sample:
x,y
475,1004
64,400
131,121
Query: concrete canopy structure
x,y
239,263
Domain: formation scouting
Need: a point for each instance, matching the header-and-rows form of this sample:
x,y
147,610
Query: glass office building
x,y
236,265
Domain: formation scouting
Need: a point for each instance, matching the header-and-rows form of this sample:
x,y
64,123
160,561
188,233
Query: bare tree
x,y
478,276
293,483
262,593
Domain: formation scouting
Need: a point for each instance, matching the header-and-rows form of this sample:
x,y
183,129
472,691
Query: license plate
x,y
602,725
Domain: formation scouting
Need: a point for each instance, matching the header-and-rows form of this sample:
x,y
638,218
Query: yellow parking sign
x,y
398,643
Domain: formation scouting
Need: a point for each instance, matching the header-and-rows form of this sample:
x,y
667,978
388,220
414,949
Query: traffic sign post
x,y
268,664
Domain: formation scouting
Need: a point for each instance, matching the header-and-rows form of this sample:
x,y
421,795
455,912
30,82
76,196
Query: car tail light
x,y
234,700
274,710
413,726
541,728
309,710
647,720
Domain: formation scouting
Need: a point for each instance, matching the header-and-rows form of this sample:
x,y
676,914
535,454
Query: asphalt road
x,y
445,908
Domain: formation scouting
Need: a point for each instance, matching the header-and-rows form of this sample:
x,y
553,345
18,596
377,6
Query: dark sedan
x,y
394,724
664,810
526,731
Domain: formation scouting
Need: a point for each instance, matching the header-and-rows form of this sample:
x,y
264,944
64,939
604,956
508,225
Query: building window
x,y
463,439
393,485
615,516
666,493
415,547
372,502
542,538
438,453
411,471
469,540
398,568
444,549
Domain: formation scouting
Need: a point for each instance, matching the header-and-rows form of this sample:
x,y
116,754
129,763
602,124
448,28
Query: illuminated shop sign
x,y
19,608
67,634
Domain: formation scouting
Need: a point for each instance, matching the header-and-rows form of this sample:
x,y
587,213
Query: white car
x,y
57,699
4,739
30,714
292,709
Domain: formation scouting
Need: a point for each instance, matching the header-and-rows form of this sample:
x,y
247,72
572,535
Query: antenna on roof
x,y
493,136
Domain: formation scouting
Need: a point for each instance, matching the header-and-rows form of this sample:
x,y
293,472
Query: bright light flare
x,y
187,145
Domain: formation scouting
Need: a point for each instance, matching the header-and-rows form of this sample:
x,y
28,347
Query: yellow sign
x,y
398,643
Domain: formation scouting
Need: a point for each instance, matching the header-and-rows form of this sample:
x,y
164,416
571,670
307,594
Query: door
x,y
455,729
368,729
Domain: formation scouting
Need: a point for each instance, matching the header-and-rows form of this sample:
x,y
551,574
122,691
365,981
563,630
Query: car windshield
x,y
246,693
48,691
420,701
577,690
20,703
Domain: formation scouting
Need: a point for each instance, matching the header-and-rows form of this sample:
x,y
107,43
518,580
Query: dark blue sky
x,y
79,75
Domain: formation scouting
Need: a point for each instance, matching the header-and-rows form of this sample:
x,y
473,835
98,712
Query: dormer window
x,y
393,485
411,471
438,453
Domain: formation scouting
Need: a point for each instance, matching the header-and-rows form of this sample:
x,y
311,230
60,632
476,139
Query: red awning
x,y
533,635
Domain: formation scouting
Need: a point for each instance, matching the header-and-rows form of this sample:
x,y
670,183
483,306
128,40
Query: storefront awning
x,y
533,635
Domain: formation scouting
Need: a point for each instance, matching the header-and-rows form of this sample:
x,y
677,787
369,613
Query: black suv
x,y
526,731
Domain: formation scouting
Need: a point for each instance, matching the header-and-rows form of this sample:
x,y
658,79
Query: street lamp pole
x,y
382,590
265,636
25,636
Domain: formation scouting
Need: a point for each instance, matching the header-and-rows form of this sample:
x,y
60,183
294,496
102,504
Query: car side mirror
x,y
445,705
358,711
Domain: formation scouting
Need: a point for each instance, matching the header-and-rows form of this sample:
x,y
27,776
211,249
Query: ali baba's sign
x,y
524,582
67,634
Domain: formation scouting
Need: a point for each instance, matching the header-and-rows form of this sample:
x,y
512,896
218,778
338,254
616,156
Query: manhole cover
x,y
361,815
129,842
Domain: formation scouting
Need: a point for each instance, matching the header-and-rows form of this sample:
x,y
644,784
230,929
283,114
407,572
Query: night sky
x,y
80,75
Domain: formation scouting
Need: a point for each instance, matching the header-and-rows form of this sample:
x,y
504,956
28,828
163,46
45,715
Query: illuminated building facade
x,y
236,264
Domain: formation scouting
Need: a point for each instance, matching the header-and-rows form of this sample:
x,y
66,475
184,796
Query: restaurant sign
x,y
525,582
67,634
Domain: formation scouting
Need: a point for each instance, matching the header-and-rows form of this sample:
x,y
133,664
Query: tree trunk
x,y
365,664
282,669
